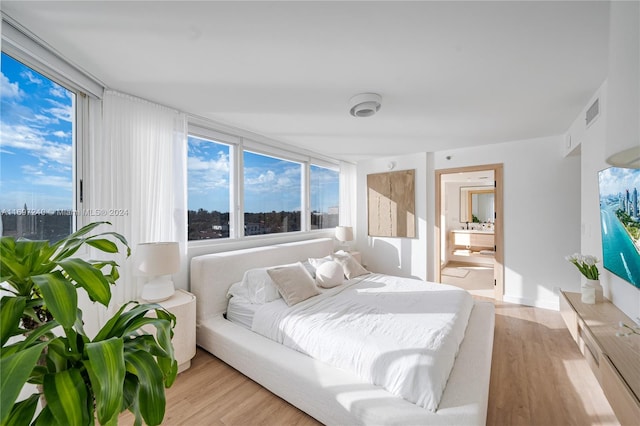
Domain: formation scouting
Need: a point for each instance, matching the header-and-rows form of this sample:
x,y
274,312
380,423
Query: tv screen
x,y
620,222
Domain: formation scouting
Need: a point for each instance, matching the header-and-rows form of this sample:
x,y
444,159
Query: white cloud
x,y
61,111
59,91
41,120
617,180
31,77
208,174
267,177
35,143
60,134
9,90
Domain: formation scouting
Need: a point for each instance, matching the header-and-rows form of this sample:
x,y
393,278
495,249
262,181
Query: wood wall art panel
x,y
392,204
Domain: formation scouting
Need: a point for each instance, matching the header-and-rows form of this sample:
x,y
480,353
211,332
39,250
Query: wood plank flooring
x,y
538,377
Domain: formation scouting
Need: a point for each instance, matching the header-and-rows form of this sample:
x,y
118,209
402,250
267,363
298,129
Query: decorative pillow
x,y
329,274
316,262
350,266
293,282
260,287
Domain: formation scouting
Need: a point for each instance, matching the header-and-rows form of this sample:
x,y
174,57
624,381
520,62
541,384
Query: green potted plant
x,y
80,380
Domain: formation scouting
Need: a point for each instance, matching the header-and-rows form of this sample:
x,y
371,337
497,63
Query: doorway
x,y
469,229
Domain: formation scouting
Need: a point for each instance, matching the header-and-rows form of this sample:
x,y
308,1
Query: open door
x,y
466,236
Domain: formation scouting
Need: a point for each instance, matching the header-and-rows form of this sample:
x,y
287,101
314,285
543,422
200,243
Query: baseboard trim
x,y
553,305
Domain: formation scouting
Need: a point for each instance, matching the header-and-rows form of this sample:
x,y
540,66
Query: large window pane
x,y
208,189
272,194
325,192
36,154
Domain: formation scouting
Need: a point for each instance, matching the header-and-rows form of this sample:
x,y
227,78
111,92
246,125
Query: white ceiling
x,y
451,74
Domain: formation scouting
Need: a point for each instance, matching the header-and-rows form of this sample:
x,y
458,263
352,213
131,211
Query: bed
x,y
332,395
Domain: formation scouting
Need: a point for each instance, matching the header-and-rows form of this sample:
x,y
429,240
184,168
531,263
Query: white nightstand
x,y
183,305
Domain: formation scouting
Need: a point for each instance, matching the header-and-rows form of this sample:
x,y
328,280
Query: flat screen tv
x,y
620,222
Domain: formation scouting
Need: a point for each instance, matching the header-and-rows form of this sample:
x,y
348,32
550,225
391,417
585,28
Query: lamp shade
x,y
153,259
344,233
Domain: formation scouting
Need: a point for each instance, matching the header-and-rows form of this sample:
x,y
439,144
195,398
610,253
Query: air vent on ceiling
x,y
593,112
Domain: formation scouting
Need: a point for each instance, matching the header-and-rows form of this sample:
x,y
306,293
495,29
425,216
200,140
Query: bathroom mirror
x,y
477,204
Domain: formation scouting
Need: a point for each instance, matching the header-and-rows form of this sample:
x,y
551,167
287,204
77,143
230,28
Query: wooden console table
x,y
615,360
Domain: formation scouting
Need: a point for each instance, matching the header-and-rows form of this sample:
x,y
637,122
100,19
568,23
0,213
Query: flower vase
x,y
591,292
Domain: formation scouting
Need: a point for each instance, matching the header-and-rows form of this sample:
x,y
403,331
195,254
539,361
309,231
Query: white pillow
x,y
238,290
329,274
350,266
316,262
260,287
293,282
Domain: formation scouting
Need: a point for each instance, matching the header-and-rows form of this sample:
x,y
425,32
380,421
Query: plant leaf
x,y
59,296
130,400
103,244
11,309
89,278
151,398
23,411
106,370
14,372
66,395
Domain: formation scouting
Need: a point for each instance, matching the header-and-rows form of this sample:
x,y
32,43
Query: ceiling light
x,y
364,104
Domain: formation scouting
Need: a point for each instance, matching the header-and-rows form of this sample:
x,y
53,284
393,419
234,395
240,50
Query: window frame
x,y
36,55
233,142
325,165
239,143
79,125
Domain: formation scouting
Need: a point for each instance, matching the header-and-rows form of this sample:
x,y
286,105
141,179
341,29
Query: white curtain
x,y
138,181
348,194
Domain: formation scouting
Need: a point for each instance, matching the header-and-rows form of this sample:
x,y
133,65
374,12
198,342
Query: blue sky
x,y
36,149
615,180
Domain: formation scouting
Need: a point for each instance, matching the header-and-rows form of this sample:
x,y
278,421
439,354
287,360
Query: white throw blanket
x,y
399,333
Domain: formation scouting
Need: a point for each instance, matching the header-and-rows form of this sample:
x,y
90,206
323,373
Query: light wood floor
x,y
538,377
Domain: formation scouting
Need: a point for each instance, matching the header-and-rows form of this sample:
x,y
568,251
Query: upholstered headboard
x,y
213,274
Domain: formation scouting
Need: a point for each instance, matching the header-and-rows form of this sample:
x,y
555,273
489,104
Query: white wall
x,y
405,257
541,215
593,152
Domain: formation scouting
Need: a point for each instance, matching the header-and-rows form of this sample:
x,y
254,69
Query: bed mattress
x,y
399,333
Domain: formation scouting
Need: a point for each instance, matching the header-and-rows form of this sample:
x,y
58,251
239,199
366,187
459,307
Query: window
x,y
208,189
241,188
325,193
37,154
272,194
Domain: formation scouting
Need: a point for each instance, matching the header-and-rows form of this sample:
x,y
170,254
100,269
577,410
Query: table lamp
x,y
158,261
344,234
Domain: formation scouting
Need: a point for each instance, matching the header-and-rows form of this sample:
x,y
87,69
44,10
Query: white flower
x,y
586,264
589,260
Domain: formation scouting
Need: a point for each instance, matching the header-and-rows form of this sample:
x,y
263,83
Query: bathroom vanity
x,y
473,243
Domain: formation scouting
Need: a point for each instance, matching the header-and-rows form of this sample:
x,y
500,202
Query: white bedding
x,y
399,333
241,311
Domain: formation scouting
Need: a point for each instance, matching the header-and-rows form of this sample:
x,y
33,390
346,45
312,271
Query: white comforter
x,y
399,333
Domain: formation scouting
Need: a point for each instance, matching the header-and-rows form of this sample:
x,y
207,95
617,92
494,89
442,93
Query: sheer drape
x,y
348,194
137,172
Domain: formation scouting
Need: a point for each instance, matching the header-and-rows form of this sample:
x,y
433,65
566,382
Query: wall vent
x,y
593,112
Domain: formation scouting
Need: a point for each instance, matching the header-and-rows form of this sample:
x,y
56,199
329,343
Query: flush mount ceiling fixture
x,y
365,104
